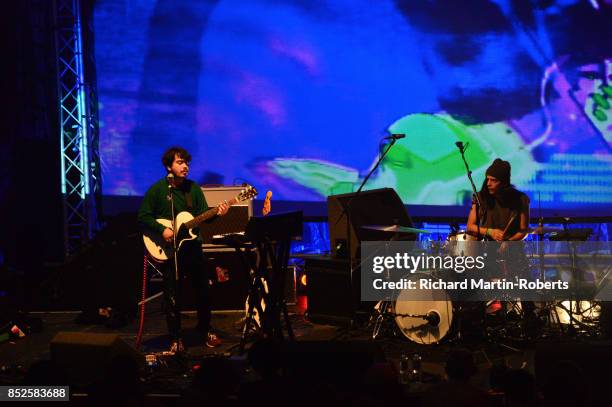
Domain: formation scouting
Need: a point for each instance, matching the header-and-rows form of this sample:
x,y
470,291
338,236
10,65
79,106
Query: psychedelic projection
x,y
297,96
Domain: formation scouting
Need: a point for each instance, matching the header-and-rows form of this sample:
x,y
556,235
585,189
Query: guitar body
x,y
161,250
184,223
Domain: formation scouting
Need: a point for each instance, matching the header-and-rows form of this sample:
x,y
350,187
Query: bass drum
x,y
426,321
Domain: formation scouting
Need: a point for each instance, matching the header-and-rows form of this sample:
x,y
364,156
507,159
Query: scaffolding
x,y
80,160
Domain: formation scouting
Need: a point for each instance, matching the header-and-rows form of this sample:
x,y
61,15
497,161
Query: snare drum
x,y
461,244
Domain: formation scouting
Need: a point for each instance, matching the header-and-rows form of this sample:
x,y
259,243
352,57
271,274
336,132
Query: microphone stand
x,y
177,285
475,198
346,211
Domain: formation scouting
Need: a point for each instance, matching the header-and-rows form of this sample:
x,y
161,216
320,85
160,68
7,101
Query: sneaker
x,y
177,347
213,340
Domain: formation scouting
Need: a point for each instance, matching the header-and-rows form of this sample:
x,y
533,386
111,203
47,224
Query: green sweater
x,y
156,205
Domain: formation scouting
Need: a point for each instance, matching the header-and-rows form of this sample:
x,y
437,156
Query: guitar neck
x,y
207,215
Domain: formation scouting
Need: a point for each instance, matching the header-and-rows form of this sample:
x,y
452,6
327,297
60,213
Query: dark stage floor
x,y
172,379
23,352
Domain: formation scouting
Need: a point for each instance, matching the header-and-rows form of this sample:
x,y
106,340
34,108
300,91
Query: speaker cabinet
x,y
374,207
231,294
85,356
332,297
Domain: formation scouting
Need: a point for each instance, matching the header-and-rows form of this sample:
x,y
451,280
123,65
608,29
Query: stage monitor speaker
x,y
85,356
373,207
234,221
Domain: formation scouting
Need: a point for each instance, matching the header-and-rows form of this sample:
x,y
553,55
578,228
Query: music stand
x,y
272,236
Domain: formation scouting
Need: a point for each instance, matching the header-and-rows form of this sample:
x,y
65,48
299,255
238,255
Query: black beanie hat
x,y
500,169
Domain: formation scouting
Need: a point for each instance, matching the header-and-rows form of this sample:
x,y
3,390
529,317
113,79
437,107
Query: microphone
x,y
170,178
462,147
395,137
433,318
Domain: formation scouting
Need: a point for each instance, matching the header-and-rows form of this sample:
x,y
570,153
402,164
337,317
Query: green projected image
x,y
422,168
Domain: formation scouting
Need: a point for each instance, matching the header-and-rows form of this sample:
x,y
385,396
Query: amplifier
x,y
236,218
231,294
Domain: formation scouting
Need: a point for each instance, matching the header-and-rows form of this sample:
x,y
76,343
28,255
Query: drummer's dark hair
x,y
485,196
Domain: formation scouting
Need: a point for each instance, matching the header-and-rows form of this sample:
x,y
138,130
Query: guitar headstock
x,y
267,206
249,192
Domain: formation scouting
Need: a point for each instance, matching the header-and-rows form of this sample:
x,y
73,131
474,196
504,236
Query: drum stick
x,y
508,225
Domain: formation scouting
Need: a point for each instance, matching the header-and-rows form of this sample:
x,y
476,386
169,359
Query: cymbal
x,y
542,230
394,229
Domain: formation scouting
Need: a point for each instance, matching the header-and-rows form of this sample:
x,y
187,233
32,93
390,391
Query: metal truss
x,y
80,162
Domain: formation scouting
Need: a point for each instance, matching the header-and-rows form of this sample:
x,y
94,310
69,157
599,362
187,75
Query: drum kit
x,y
435,318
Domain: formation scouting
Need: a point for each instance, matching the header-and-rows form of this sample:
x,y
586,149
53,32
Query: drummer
x,y
504,214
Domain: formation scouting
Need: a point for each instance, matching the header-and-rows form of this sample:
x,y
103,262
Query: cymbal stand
x,y
550,306
383,311
383,316
571,329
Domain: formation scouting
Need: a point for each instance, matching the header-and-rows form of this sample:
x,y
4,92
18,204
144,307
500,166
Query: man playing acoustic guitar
x,y
164,200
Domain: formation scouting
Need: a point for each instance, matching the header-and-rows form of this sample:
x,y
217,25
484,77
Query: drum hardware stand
x,y
549,309
575,278
574,308
382,315
570,328
549,305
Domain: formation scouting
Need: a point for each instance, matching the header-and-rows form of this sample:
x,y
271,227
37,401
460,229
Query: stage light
x,y
303,280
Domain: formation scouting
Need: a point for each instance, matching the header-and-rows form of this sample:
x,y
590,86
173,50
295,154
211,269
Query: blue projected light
x,y
295,96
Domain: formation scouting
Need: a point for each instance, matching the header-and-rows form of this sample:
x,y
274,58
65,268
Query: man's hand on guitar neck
x,y
167,235
222,209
